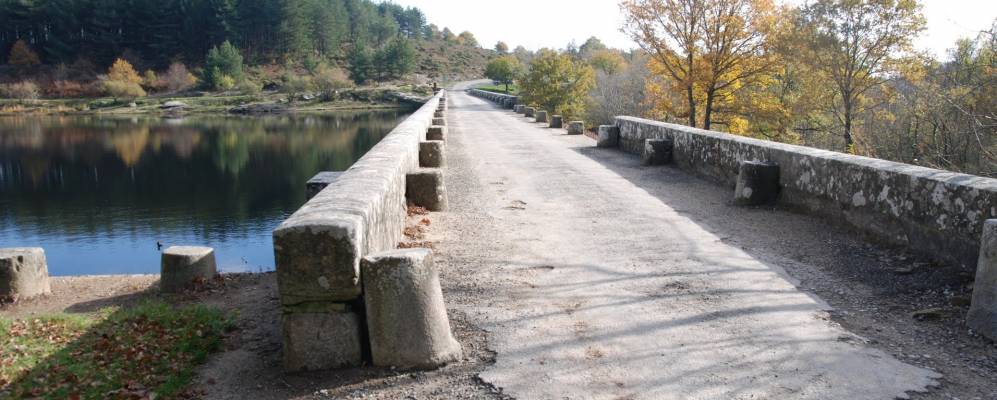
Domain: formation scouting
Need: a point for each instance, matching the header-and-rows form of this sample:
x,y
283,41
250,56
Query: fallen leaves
x,y
148,352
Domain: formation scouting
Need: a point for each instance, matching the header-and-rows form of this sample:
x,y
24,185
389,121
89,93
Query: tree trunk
x,y
688,90
848,125
710,94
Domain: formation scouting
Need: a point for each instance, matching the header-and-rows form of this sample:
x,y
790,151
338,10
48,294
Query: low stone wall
x,y
318,248
935,212
504,100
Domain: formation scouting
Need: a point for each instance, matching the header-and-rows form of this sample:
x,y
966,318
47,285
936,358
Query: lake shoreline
x,y
212,104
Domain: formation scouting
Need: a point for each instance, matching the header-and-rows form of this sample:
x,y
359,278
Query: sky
x,y
555,23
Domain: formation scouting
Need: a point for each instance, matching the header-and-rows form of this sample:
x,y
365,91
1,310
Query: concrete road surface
x,y
598,290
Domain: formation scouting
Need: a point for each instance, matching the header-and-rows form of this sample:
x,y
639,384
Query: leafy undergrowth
x,y
146,352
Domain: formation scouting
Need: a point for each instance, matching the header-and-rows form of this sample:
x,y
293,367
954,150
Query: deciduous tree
x,y
557,83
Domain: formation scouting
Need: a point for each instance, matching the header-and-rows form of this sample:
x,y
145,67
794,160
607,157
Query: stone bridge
x,y
647,260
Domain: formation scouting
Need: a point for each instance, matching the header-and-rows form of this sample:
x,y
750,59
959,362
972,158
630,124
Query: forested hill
x,y
155,33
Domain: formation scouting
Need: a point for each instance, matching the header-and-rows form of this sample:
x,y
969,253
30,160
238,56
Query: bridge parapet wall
x,y
504,100
938,213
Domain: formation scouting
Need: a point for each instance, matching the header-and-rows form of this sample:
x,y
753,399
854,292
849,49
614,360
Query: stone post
x,y
425,187
436,132
609,136
23,273
439,114
982,316
182,265
406,316
519,109
531,112
542,117
757,183
440,121
657,152
431,154
319,182
576,127
556,121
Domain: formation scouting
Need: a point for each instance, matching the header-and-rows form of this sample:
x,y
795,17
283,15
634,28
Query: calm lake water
x,y
98,193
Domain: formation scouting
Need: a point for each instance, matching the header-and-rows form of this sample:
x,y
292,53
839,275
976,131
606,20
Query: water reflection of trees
x,y
213,175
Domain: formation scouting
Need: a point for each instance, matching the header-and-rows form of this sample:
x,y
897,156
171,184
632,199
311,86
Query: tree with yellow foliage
x,y
557,83
707,48
123,81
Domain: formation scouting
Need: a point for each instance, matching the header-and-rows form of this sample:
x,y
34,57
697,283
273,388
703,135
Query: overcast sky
x,y
554,23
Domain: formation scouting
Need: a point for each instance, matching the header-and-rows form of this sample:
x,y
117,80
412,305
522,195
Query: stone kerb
x,y
318,248
23,273
937,213
504,100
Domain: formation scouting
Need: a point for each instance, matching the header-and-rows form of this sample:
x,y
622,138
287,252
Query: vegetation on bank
x,y
833,74
56,49
150,351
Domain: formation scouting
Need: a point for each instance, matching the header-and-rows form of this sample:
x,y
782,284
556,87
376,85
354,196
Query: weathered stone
x,y
576,127
406,315
172,104
318,341
23,273
657,152
982,315
556,121
182,265
425,187
530,112
439,114
609,136
757,183
542,116
319,182
436,132
439,121
519,109
319,261
431,154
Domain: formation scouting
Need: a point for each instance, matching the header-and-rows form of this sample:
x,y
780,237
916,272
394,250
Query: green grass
x,y
513,89
149,350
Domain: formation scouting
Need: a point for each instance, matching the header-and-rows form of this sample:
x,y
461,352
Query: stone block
x,y
982,316
519,109
319,182
425,187
436,132
609,136
406,315
319,260
431,154
439,114
576,127
542,117
556,121
182,265
530,112
757,183
23,273
657,152
440,121
319,341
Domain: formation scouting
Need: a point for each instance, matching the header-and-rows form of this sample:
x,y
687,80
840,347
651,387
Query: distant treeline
x,y
159,32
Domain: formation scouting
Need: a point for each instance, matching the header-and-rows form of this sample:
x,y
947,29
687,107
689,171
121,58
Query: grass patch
x,y
149,351
513,89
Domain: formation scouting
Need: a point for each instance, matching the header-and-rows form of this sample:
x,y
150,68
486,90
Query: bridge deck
x,y
592,284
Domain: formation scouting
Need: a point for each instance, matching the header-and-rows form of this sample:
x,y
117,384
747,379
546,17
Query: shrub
x,y
294,85
150,81
177,78
250,87
70,89
123,71
328,80
123,89
221,81
23,91
226,60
